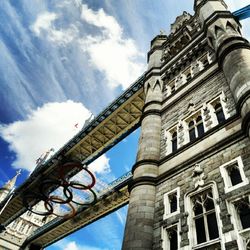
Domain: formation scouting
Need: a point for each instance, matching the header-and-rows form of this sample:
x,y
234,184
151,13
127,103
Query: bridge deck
x,y
118,120
109,200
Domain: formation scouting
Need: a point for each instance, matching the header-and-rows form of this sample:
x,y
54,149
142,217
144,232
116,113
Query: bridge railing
x,y
111,187
242,13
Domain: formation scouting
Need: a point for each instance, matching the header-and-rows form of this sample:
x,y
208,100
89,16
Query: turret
x,y
223,33
8,186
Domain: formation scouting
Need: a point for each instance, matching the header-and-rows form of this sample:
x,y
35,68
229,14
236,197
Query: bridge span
x,y
114,123
112,198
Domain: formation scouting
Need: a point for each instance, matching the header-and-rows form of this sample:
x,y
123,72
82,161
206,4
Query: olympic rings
x,y
32,196
56,183
78,165
59,200
50,192
84,189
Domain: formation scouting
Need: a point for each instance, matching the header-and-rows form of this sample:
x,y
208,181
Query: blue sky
x,y
62,61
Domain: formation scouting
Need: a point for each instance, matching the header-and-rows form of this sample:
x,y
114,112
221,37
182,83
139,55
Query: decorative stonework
x,y
180,20
198,176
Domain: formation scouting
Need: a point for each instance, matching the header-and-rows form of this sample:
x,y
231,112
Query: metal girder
x,y
93,140
242,13
116,196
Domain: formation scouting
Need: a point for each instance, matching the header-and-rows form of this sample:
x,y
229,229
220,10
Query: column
x,y
140,219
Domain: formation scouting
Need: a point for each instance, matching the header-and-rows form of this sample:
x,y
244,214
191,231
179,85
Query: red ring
x,y
67,216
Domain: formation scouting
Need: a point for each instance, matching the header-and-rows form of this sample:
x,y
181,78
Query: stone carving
x,y
198,175
179,21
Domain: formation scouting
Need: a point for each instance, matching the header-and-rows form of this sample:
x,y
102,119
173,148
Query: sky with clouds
x,y
64,61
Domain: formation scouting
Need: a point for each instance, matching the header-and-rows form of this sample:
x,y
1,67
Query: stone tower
x,y
190,186
17,231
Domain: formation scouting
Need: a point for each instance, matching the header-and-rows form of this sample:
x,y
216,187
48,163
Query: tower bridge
x,y
189,187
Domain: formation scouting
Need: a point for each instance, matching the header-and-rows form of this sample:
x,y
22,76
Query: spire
x,y
11,183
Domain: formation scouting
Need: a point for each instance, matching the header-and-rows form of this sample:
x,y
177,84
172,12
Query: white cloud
x,y
100,165
71,246
110,52
43,22
44,26
49,126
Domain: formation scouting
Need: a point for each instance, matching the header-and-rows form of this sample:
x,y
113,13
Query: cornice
x,y
144,162
144,180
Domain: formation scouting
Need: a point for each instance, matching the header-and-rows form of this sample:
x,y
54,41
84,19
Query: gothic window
x,y
171,203
29,213
243,210
172,89
27,229
199,125
233,174
15,223
191,127
170,238
173,238
219,113
196,128
205,63
22,227
174,142
189,76
204,217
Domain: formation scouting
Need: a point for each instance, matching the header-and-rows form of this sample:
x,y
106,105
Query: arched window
x,y
204,216
219,113
199,125
243,209
189,76
205,63
191,127
172,89
173,238
174,142
234,174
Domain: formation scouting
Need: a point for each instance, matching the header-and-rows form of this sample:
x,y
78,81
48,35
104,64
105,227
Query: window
x,y
189,76
191,128
204,217
27,229
29,213
199,125
173,238
243,210
196,128
172,89
171,203
170,238
15,223
174,142
233,174
22,227
219,113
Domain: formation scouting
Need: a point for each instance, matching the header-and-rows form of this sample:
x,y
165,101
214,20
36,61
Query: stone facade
x,y
190,185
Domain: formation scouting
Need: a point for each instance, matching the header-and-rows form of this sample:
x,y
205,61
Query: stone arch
x,y
218,31
230,26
